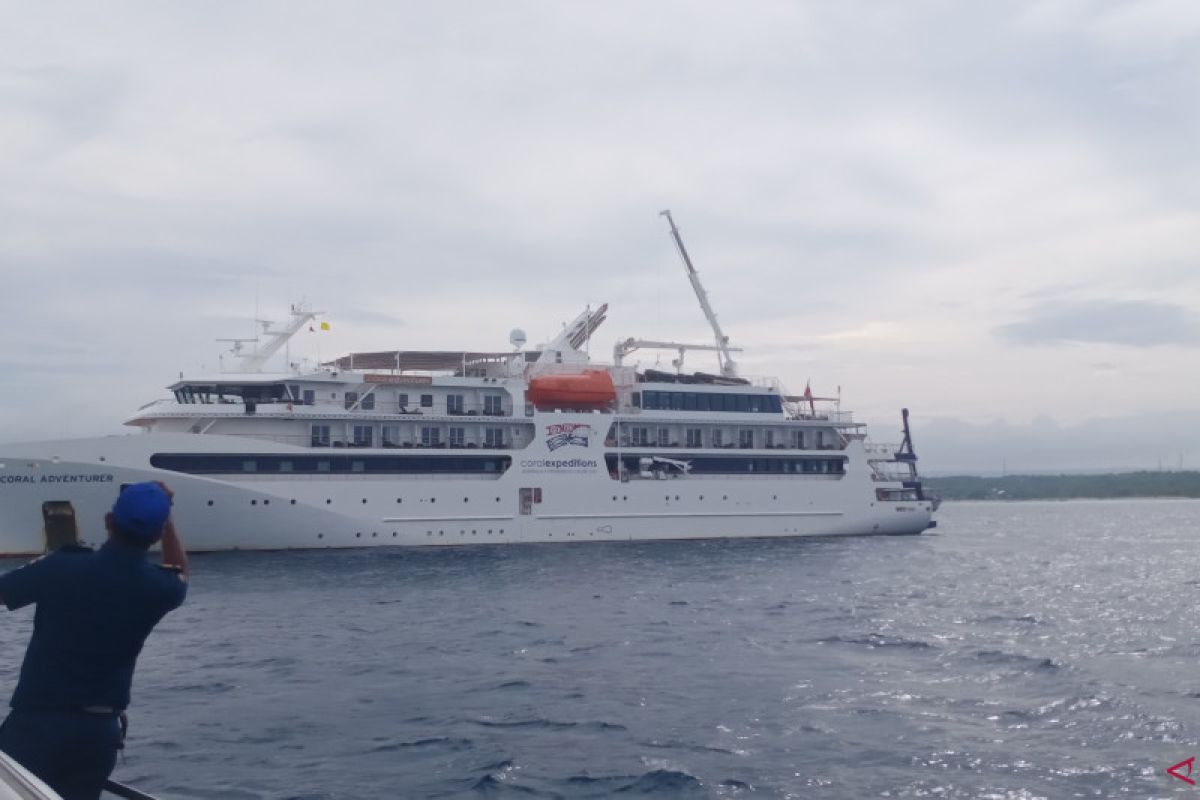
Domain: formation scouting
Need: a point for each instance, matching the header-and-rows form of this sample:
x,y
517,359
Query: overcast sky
x,y
987,212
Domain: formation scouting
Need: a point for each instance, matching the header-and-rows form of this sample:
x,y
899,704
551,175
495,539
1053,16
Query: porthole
x,y
253,502
327,501
441,533
489,531
320,536
358,535
397,499
466,499
676,497
393,534
266,502
210,502
502,531
293,501
497,499
701,497
374,534
364,501
433,499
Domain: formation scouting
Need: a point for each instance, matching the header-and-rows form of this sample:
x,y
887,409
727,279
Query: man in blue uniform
x,y
94,612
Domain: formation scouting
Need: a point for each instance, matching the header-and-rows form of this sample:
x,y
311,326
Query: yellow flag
x,y
324,326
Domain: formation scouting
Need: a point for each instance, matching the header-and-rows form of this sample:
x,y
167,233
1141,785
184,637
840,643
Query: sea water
x,y
1020,650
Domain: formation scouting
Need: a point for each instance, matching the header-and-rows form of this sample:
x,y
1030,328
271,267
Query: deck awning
x,y
424,360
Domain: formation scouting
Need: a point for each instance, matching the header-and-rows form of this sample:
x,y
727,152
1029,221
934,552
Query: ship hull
x,y
548,493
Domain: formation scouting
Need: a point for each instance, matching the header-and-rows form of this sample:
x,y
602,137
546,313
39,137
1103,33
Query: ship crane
x,y
728,366
622,349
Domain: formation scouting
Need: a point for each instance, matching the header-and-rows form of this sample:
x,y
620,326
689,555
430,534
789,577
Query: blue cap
x,y
141,511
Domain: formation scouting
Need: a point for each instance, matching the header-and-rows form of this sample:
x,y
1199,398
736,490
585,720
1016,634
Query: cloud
x,y
884,197
1122,322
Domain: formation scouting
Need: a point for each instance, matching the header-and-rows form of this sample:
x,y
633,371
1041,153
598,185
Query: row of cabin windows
x,y
236,463
725,465
493,404
429,436
708,401
644,436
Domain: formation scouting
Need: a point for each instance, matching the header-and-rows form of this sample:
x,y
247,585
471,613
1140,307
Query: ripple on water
x,y
1031,650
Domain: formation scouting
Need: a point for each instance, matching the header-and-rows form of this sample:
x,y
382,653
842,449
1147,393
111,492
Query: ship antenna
x,y
728,367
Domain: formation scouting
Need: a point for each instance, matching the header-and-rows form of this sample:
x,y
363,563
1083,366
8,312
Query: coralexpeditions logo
x,y
567,433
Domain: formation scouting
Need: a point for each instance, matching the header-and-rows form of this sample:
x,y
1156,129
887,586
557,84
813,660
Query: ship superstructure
x,y
409,447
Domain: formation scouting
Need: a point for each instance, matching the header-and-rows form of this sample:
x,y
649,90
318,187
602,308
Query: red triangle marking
x,y
1171,770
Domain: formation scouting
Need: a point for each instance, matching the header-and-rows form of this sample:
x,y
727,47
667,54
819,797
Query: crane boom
x,y
728,367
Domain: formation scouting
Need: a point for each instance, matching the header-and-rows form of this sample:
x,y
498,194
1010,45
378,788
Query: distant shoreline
x,y
1112,486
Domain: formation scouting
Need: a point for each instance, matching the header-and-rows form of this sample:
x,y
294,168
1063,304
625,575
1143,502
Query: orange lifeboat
x,y
588,390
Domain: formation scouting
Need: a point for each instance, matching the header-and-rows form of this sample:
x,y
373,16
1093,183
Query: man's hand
x,y
173,553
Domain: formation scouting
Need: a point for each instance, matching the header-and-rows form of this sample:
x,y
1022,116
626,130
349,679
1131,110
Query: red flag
x,y
808,395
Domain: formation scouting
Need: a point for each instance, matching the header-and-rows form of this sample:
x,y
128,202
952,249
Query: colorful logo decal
x,y
567,433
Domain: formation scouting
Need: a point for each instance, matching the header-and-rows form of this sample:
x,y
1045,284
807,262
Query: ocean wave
x,y
448,742
878,640
1016,660
551,725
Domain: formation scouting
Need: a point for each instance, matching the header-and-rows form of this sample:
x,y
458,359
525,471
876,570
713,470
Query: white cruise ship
x,y
450,448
